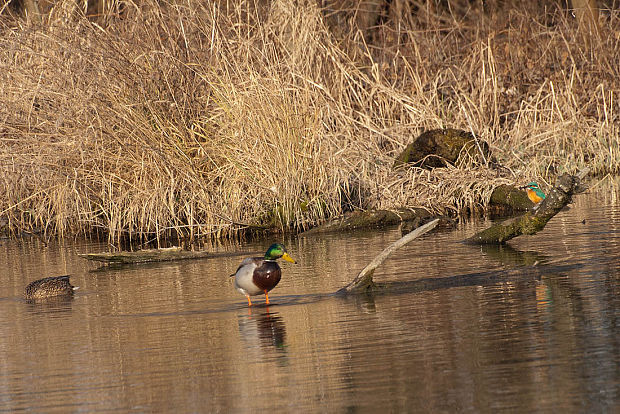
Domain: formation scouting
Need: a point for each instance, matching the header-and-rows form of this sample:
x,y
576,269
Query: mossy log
x,y
157,255
363,281
535,220
440,147
509,197
370,219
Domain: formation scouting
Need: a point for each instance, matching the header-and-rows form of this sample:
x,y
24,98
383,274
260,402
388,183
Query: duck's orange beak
x,y
288,258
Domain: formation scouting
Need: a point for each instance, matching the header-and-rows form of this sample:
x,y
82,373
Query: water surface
x,y
461,328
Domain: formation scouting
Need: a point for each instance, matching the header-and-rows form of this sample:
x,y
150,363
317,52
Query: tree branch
x,y
363,280
534,220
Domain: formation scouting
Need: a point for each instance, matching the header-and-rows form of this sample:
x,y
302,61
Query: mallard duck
x,y
49,287
534,193
258,275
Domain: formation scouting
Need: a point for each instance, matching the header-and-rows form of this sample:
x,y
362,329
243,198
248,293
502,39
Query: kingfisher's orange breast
x,y
531,194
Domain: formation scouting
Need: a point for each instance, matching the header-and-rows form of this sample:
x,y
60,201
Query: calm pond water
x,y
462,328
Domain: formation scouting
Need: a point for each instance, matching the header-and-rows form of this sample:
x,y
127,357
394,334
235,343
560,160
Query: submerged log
x,y
369,219
535,220
363,281
156,255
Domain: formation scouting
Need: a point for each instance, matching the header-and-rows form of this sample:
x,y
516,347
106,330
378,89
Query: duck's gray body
x,y
49,287
256,276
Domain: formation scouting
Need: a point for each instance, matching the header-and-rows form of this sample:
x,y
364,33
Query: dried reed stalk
x,y
202,119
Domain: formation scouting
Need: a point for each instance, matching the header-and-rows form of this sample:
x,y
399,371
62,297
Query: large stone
x,y
438,147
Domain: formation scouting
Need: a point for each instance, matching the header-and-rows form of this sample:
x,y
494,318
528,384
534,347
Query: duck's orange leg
x,y
249,301
266,298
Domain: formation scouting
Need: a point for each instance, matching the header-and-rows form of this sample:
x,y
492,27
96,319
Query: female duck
x,y
257,275
49,287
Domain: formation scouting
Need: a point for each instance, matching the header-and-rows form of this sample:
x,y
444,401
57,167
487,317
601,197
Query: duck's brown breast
x,y
267,275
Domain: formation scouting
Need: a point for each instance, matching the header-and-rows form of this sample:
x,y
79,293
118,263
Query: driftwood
x,y
156,255
535,220
370,219
363,281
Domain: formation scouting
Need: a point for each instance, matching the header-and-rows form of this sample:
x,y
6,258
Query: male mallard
x,y
48,287
257,275
534,193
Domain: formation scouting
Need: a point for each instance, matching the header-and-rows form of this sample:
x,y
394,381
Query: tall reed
x,y
201,119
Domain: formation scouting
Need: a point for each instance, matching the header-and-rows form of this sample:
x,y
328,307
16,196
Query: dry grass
x,y
193,119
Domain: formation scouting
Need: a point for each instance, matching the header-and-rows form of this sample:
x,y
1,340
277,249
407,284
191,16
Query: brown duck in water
x,y
258,275
49,287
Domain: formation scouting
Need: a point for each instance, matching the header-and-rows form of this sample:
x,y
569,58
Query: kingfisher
x,y
534,193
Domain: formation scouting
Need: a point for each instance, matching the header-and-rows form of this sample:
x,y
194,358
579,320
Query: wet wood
x,y
534,220
363,281
370,219
158,255
509,198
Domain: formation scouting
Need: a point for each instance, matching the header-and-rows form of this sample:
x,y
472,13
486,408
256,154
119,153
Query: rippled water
x,y
460,328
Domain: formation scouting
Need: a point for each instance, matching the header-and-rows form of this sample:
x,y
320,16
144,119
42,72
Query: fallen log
x,y
157,255
527,274
370,219
509,198
363,281
534,220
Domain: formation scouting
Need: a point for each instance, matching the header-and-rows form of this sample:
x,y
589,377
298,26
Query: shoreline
x,y
143,128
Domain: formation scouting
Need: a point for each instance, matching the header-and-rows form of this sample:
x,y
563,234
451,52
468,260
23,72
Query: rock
x,y
440,147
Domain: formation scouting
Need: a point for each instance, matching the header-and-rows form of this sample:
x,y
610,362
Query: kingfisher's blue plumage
x,y
534,193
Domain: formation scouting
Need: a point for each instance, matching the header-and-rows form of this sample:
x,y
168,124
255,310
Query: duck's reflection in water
x,y
54,305
262,329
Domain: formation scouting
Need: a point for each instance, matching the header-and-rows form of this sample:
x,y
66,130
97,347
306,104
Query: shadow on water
x,y
261,311
524,266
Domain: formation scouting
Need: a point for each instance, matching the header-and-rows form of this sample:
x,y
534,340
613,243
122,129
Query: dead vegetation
x,y
201,119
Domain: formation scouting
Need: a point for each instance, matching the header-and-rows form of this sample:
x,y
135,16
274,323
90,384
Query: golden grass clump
x,y
194,119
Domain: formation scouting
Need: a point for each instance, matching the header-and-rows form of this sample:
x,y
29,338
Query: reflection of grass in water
x,y
182,121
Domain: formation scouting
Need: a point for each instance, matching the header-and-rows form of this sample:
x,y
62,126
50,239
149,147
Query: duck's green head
x,y
276,251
